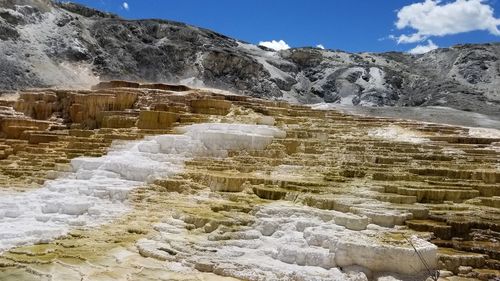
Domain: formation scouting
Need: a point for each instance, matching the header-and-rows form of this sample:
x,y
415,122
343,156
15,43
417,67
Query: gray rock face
x,y
47,44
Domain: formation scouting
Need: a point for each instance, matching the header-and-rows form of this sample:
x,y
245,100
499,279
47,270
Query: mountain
x,y
43,43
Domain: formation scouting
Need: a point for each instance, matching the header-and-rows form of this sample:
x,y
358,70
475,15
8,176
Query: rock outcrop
x,y
149,181
64,44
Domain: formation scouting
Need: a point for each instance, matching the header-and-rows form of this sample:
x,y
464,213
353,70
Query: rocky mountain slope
x,y
44,44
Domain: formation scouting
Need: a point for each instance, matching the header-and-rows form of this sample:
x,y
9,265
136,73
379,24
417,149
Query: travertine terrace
x,y
159,182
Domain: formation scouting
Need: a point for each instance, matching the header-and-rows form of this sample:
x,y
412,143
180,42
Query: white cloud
x,y
275,45
320,46
125,6
434,18
422,49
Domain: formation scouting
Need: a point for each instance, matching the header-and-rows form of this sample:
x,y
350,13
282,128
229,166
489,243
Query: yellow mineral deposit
x,y
134,181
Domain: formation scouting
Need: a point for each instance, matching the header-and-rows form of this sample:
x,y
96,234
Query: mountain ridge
x,y
66,44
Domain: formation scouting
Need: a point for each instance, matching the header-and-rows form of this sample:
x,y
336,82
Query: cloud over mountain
x,y
275,45
435,18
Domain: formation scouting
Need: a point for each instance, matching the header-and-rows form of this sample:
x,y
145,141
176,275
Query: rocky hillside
x,y
46,44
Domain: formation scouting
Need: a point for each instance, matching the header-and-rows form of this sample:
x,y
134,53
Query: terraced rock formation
x,y
136,181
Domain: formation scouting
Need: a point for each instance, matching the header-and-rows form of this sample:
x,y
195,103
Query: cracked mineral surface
x,y
136,181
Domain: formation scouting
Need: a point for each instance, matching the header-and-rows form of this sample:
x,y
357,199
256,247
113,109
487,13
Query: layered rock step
x,y
318,193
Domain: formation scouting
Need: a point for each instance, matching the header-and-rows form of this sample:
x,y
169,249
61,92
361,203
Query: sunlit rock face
x,y
165,182
58,43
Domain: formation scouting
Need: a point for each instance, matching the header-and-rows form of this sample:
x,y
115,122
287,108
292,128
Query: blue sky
x,y
356,26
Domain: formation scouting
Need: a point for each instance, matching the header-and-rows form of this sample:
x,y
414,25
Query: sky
x,y
414,26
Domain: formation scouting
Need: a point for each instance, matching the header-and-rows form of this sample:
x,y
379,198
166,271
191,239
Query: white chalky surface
x,y
96,190
285,241
290,242
396,133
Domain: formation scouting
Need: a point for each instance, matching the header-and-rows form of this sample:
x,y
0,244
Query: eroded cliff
x,y
46,44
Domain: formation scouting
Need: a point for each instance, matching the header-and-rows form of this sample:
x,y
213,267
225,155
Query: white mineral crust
x,y
96,190
292,242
